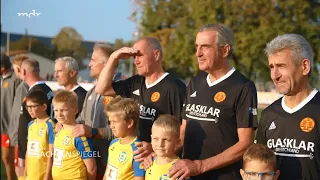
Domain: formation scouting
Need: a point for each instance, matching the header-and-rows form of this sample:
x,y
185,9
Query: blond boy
x,y
73,157
164,139
123,116
259,162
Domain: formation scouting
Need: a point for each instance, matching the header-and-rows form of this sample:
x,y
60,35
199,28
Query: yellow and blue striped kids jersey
x,y
121,165
68,156
40,135
159,172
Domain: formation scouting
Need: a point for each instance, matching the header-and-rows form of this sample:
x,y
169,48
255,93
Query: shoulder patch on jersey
x,y
6,84
220,96
136,92
194,94
106,100
155,96
272,126
307,124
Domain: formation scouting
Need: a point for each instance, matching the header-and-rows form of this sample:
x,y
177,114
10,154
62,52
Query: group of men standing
x,y
217,109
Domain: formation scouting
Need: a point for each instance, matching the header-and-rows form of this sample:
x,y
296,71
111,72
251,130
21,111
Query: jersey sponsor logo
x,y
291,146
220,97
136,92
5,84
122,157
272,126
253,111
66,140
106,100
33,148
111,173
194,94
58,157
200,112
307,124
147,112
155,96
41,132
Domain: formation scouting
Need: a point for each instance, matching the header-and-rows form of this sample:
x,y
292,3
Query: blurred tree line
x,y
175,24
68,42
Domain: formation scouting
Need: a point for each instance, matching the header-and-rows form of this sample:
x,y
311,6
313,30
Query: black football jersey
x,y
81,93
294,136
213,112
165,96
25,118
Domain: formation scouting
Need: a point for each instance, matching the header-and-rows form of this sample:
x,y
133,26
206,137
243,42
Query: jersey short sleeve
x,y
246,106
51,133
124,87
84,146
138,168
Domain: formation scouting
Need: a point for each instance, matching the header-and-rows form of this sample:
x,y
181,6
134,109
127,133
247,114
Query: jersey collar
x,y
220,79
74,88
299,106
38,82
156,82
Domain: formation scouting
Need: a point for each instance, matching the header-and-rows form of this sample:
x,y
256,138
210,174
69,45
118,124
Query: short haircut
x,y
126,108
5,61
106,50
225,35
71,63
37,96
31,65
153,44
299,46
65,97
18,59
260,152
169,123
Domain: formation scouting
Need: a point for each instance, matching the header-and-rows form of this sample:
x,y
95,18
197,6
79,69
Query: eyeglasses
x,y
255,175
32,106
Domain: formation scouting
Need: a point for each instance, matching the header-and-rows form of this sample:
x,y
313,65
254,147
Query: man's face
x,y
145,58
207,50
96,63
285,75
62,74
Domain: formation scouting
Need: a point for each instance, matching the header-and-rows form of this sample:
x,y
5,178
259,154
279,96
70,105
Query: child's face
x,y
64,113
36,110
118,125
252,168
163,142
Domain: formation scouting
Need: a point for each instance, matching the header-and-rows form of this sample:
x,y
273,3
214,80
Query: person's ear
x,y
130,123
242,174
226,50
73,73
306,66
157,55
276,176
44,106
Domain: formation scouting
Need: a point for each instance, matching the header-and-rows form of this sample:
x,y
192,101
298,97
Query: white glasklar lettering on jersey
x,y
202,111
147,112
291,146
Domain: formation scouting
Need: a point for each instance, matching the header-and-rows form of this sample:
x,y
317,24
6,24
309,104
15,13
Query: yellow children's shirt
x,y
40,135
159,172
68,156
121,165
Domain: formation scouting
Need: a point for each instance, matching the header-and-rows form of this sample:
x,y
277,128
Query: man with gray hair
x,y
156,91
220,111
290,125
66,71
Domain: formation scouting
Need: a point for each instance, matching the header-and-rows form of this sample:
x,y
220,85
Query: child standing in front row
x,y
123,116
164,139
40,137
259,160
73,157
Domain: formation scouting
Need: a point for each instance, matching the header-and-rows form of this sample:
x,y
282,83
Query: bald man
x,y
30,75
